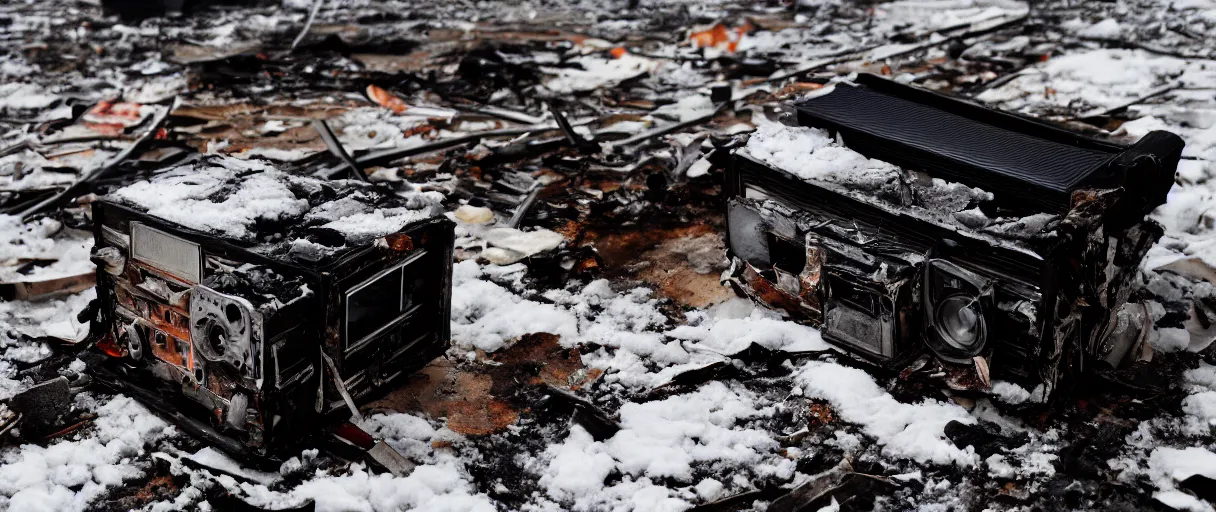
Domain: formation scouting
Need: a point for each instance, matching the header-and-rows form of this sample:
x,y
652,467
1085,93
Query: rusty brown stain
x,y
475,398
570,230
478,418
670,270
620,247
157,488
557,366
400,242
819,413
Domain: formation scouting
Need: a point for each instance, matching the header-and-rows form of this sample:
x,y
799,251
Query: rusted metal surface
x,y
768,292
874,289
243,340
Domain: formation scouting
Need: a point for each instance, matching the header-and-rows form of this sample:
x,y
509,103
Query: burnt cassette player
x,y
897,219
249,304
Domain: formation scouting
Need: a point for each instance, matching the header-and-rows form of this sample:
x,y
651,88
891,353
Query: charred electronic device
x,y
896,218
250,305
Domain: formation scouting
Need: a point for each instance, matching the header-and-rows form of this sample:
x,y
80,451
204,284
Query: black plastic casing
x,y
303,329
1052,299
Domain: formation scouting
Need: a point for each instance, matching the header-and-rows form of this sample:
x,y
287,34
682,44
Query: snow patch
x,y
914,431
672,438
487,316
70,474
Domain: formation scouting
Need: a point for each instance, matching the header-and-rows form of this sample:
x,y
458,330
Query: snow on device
x,y
250,305
897,219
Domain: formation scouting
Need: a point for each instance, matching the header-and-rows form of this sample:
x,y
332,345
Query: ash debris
x,y
594,230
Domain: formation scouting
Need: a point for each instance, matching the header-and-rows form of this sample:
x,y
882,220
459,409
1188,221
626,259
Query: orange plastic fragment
x,y
386,99
110,117
119,110
108,346
702,39
721,37
711,37
618,52
805,86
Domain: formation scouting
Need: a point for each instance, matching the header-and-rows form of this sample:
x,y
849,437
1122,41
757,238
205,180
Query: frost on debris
x,y
1169,466
1167,450
187,196
253,203
486,316
810,154
1099,78
594,72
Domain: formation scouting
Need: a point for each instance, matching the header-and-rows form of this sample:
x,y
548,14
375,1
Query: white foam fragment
x,y
1009,392
213,458
282,155
25,96
1169,466
43,239
523,242
376,128
1108,28
733,335
687,108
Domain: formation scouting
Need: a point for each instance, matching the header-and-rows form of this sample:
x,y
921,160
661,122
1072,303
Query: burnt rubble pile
x,y
577,158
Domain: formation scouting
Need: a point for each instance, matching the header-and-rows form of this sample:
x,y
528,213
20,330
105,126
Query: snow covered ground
x,y
765,426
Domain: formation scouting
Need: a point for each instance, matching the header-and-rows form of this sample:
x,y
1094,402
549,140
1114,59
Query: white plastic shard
x,y
525,243
474,214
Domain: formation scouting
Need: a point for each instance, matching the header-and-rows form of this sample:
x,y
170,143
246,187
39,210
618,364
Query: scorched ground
x,y
597,363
